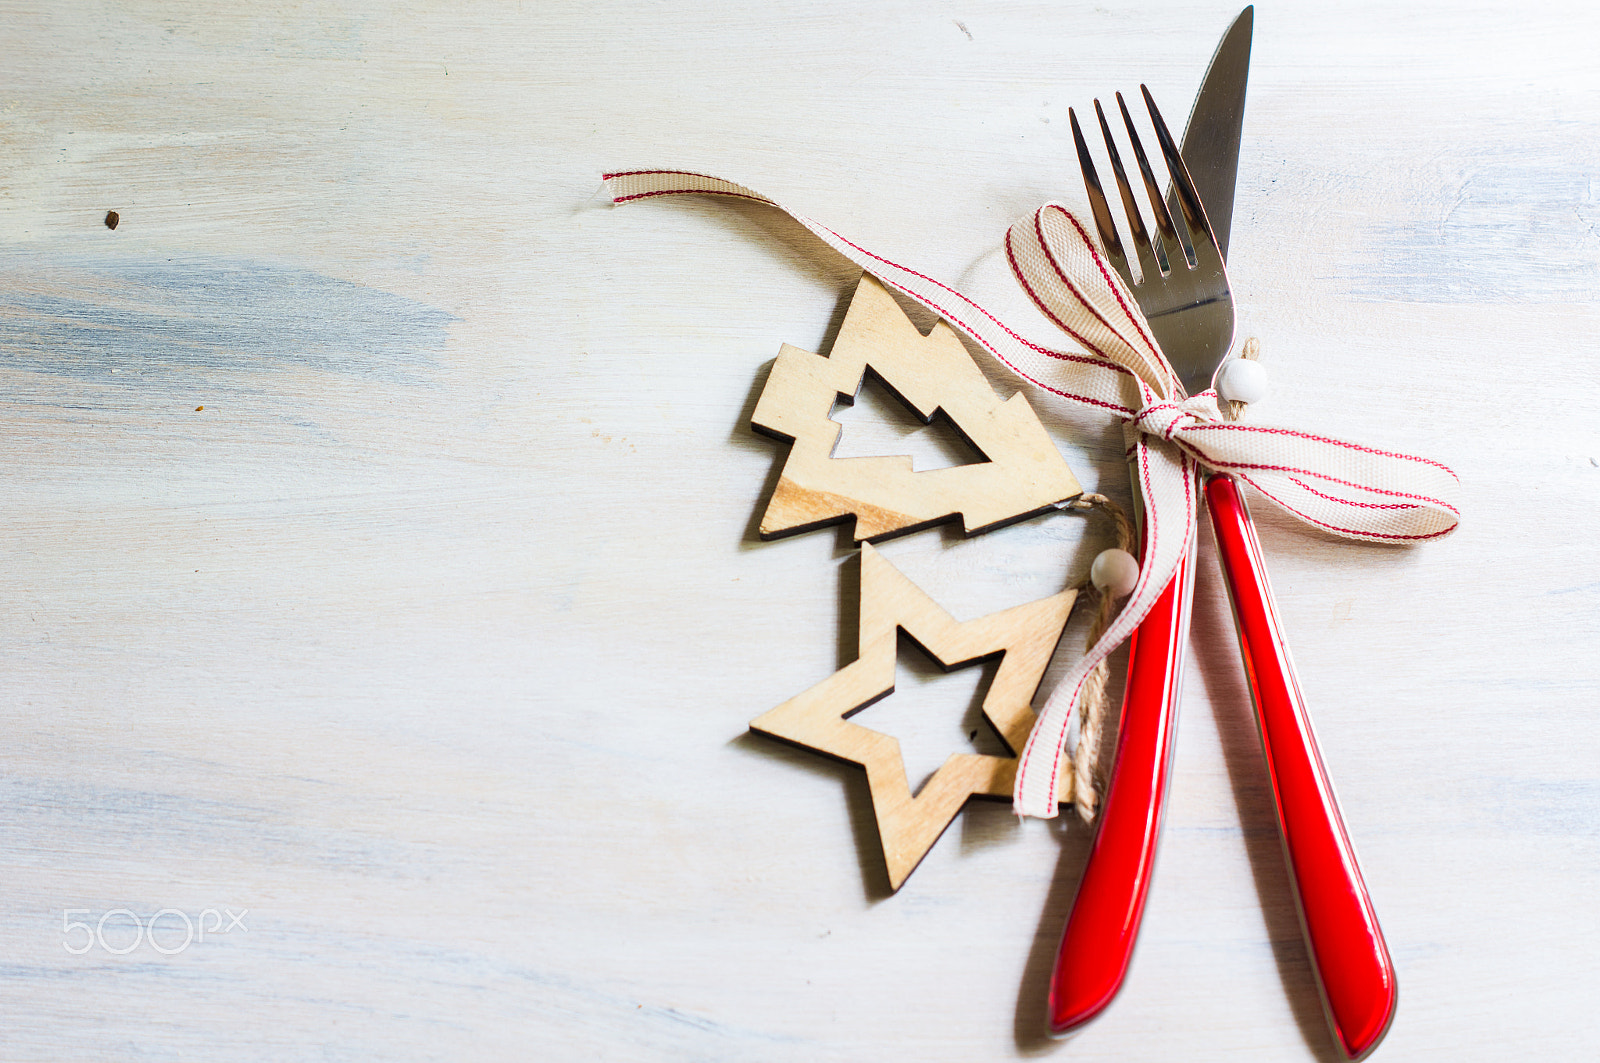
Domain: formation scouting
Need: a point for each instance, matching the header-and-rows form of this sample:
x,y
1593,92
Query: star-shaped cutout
x,y
1023,637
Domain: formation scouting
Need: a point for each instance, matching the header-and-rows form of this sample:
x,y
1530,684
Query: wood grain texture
x,y
433,639
1019,472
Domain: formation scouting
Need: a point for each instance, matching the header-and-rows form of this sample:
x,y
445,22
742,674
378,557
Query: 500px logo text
x,y
168,931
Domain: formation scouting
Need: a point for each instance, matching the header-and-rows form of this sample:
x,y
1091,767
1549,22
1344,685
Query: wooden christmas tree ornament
x,y
1023,474
1023,637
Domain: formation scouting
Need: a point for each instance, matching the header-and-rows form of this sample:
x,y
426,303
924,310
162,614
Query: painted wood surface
x,y
429,643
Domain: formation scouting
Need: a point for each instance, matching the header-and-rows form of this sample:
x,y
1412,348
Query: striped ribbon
x,y
1350,490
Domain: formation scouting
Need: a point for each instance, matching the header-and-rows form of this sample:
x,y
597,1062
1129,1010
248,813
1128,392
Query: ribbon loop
x,y
1351,490
1068,279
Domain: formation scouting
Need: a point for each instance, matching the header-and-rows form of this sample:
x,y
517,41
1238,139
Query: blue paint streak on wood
x,y
1567,808
1512,232
83,317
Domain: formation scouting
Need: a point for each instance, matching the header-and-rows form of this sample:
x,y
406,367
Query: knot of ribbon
x,y
1116,366
1167,419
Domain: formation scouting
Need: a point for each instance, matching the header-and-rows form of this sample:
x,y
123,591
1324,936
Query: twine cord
x,y
1094,706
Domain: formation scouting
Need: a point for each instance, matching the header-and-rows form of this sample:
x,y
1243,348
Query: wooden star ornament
x,y
1023,473
1023,637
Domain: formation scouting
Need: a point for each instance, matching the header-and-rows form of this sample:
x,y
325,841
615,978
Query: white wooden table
x,y
425,650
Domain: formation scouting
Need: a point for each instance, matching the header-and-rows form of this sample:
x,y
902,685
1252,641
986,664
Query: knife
x,y
1354,973
1097,942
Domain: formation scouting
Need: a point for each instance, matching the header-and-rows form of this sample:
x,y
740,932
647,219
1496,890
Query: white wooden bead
x,y
1114,572
1242,380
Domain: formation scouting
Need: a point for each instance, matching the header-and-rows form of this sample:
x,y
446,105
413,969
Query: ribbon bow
x,y
1350,490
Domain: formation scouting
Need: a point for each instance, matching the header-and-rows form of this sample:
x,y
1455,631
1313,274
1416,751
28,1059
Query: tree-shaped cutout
x,y
1024,473
1023,637
878,421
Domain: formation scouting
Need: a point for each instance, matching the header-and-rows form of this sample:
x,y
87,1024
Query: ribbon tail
x,y
1098,381
1167,483
1350,490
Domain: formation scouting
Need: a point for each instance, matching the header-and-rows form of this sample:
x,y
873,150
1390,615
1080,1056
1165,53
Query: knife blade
x,y
1211,140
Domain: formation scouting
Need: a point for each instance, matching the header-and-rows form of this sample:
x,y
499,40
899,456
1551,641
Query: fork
x,y
1184,293
1183,285
1189,307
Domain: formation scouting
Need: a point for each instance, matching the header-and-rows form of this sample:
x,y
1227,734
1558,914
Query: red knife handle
x,y
1098,940
1348,953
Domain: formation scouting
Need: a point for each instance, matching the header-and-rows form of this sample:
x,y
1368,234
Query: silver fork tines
x,y
1183,285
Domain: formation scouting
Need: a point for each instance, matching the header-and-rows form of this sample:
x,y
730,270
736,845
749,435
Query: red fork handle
x,y
1098,940
1348,953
